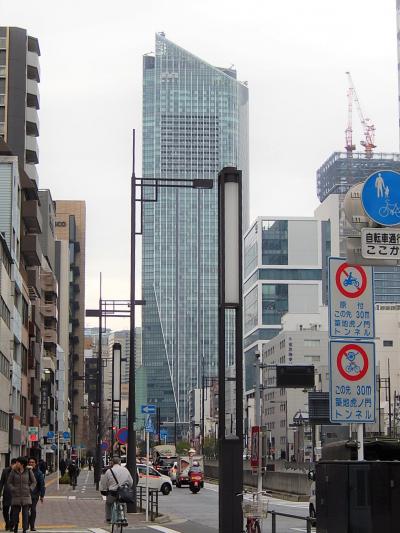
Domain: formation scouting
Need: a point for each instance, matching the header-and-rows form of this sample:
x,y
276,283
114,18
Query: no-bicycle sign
x,y
351,300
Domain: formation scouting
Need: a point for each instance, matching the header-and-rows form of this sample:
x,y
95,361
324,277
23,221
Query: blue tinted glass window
x,y
275,242
274,303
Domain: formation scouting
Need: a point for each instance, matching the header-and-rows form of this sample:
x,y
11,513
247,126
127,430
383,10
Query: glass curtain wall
x,y
194,123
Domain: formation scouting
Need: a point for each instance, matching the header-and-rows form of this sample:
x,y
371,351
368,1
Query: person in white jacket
x,y
111,479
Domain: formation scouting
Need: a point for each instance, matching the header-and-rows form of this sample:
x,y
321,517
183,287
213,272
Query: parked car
x,y
156,480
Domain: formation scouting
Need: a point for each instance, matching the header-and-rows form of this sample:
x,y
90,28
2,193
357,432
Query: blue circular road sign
x,y
104,446
54,447
380,197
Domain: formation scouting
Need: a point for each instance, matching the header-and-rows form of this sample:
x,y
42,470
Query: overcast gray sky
x,y
293,54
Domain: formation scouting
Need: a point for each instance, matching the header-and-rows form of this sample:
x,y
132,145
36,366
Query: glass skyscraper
x,y
195,122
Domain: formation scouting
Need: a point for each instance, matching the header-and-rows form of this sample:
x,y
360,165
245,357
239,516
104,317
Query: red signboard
x,y
255,447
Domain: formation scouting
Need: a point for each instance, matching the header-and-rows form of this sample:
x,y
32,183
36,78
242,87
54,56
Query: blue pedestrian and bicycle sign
x,y
149,428
148,409
380,197
50,434
66,435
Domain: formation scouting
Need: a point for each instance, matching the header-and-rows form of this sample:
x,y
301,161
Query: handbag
x,y
124,491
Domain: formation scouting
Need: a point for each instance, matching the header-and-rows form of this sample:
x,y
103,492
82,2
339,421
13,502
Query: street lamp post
x,y
154,184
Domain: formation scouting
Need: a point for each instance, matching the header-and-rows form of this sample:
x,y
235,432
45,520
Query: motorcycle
x,y
195,481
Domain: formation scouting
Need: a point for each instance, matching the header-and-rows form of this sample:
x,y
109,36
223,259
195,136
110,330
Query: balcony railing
x,y
30,249
32,216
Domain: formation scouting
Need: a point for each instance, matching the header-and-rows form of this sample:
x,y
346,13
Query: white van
x,y
156,480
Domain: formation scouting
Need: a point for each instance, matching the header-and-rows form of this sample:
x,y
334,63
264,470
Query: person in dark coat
x,y
63,467
73,471
38,492
5,491
43,466
21,482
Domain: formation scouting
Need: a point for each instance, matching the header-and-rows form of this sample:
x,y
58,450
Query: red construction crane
x,y
368,127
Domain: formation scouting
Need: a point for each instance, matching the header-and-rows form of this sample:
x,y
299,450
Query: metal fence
x,y
153,501
309,521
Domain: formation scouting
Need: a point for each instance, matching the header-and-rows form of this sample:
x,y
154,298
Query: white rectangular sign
x,y
352,382
351,300
380,243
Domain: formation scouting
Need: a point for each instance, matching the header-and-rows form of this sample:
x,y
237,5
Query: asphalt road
x,y
198,513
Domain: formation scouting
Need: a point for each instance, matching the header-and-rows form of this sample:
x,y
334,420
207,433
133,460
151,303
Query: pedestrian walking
x,y
43,466
37,493
63,467
5,491
21,482
113,477
90,462
73,472
82,462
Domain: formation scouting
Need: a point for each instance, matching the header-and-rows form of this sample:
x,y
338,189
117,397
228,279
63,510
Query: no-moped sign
x,y
351,300
352,382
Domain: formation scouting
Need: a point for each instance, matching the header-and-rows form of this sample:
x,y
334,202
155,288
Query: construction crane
x,y
369,129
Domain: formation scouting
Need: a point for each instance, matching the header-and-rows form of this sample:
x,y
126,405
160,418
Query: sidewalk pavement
x,y
80,510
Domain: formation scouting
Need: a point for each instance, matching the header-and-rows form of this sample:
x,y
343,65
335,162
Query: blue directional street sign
x,y
50,434
149,428
66,435
148,409
380,197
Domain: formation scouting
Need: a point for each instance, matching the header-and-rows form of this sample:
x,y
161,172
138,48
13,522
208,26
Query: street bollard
x,y
309,524
273,515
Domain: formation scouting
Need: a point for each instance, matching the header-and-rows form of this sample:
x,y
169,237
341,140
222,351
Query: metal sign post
x,y
148,429
58,460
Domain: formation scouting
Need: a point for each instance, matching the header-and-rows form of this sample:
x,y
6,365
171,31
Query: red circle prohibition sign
x,y
344,369
350,280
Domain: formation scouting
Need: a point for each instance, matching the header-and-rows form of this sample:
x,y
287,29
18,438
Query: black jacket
x,y
4,488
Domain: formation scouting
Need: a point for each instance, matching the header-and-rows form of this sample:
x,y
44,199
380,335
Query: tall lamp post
x,y
154,184
230,303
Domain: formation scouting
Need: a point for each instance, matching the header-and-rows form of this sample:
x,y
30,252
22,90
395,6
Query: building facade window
x,y
251,310
4,366
274,303
274,242
4,425
4,312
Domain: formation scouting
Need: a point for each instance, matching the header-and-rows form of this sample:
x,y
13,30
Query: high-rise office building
x,y
195,122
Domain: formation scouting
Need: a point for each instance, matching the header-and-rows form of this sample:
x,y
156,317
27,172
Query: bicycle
x,y
254,511
118,517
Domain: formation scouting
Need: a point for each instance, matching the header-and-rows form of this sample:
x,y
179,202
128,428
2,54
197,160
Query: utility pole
x,y
257,408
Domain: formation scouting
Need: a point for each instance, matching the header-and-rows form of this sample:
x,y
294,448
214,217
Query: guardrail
x,y
153,501
309,521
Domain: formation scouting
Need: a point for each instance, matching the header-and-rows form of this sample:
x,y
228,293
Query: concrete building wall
x,y
71,226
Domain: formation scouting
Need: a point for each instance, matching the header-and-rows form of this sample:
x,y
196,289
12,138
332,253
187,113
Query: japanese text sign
x,y
352,382
351,300
380,243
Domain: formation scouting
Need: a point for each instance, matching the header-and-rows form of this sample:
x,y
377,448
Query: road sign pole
x,y
147,473
58,460
360,439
